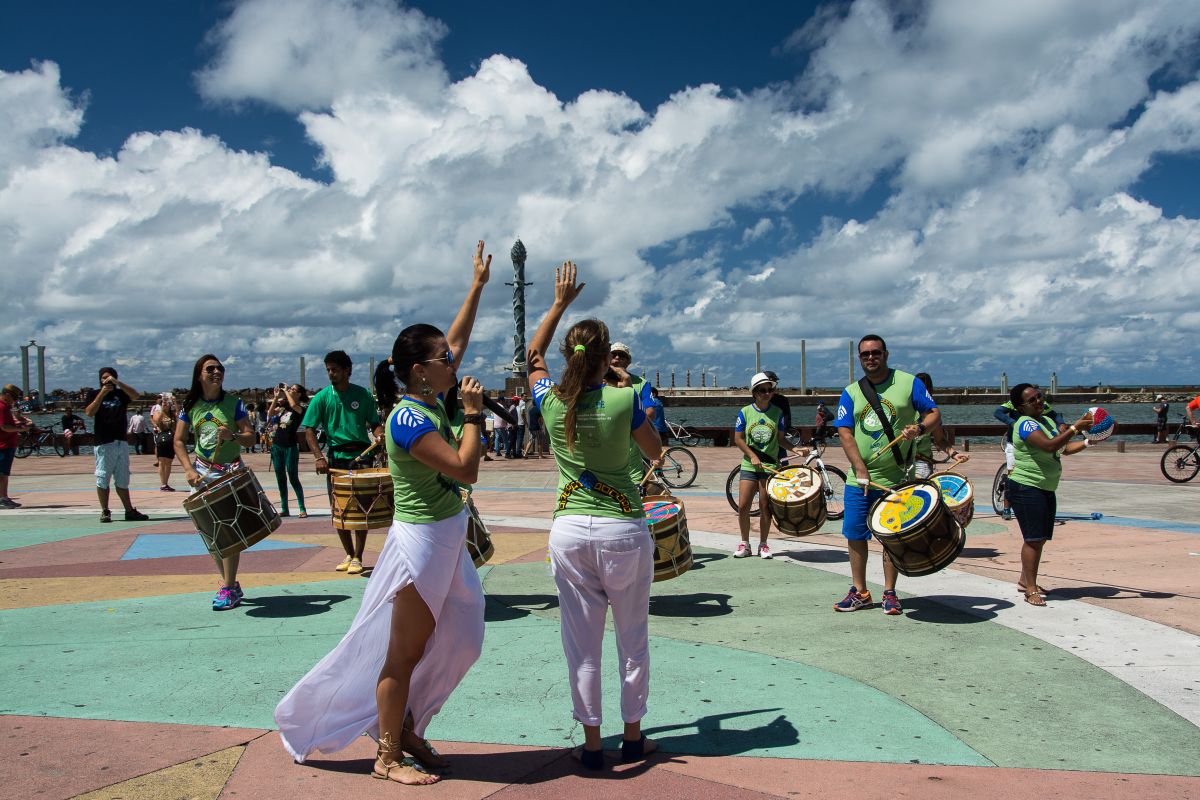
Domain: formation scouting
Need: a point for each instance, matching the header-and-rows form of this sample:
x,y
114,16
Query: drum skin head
x,y
659,509
905,508
956,489
794,483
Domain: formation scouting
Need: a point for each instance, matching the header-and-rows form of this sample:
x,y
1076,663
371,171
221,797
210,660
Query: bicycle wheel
x,y
59,445
689,439
679,468
733,487
24,446
1180,463
835,492
998,490
940,456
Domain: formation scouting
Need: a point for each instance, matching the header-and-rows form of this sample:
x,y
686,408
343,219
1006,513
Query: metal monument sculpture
x,y
518,258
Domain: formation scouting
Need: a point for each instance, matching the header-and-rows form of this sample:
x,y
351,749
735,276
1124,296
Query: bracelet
x,y
1087,443
1073,429
476,419
862,481
321,458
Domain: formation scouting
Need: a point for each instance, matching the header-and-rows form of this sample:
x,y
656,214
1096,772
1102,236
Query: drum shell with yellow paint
x,y
362,499
796,501
916,529
672,544
479,541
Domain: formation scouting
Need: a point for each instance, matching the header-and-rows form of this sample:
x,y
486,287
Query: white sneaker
x,y
742,551
764,551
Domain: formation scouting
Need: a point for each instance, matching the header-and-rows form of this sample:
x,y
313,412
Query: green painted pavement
x,y
169,659
25,530
1016,700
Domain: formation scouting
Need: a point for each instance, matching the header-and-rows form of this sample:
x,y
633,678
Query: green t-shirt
x,y
204,418
1033,466
637,467
345,416
760,427
594,478
421,493
896,400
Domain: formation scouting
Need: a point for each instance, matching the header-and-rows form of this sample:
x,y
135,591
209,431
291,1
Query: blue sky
x,y
1005,188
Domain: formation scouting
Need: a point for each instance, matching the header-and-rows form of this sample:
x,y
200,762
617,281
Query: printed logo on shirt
x,y
1029,426
869,421
843,411
410,418
760,434
354,405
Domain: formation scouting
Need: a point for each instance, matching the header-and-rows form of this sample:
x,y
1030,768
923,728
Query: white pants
x,y
600,562
1010,455
335,702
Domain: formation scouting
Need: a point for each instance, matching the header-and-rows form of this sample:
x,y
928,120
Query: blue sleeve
x,y
1001,413
922,401
639,411
183,417
540,388
845,412
240,412
644,394
409,425
740,425
1027,427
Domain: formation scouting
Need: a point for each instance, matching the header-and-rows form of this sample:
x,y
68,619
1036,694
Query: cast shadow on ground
x,y
1103,592
516,768
936,609
700,559
830,556
697,604
979,552
710,739
505,607
292,605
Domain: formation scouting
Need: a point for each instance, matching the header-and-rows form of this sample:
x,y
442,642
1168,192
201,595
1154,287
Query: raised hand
x,y
565,288
483,269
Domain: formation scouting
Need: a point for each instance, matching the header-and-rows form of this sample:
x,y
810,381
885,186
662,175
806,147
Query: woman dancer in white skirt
x,y
420,627
601,551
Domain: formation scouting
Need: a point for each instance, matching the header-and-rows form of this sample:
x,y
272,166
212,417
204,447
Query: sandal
x,y
1035,599
303,514
591,759
423,751
386,747
1040,588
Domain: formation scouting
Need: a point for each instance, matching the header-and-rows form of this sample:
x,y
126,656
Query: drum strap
x,y
868,389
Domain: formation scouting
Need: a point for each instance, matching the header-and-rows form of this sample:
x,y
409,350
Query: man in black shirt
x,y
107,405
72,425
1162,408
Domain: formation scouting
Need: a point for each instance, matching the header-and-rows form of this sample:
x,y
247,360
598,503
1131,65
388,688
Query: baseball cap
x,y
759,379
1158,397
621,347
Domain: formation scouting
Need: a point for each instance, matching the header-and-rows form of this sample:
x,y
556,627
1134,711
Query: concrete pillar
x,y
850,358
803,369
1053,383
758,357
25,368
1003,383
41,354
688,380
302,381
371,372
657,379
672,379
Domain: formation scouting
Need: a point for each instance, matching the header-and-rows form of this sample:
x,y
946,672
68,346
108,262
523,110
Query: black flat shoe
x,y
591,759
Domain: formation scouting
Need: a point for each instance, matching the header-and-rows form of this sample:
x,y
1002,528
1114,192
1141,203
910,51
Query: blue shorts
x,y
6,460
751,475
858,506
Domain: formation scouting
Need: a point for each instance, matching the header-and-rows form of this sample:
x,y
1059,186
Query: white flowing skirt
x,y
335,702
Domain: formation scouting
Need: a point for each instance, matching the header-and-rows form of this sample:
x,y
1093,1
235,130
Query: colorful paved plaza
x,y
120,682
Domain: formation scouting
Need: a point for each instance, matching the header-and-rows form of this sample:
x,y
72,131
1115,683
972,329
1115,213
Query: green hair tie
x,y
580,348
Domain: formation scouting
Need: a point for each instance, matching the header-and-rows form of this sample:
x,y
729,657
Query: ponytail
x,y
412,346
585,349
387,390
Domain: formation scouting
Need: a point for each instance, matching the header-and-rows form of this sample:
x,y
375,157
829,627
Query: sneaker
x,y
8,502
1006,514
355,567
166,488
226,599
764,551
237,590
135,516
742,551
891,603
345,565
854,600
106,516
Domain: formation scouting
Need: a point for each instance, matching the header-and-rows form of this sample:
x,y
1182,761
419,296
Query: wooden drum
x,y
916,529
479,541
232,513
796,501
668,526
957,494
362,499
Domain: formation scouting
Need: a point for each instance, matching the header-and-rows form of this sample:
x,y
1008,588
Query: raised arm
x,y
565,292
459,335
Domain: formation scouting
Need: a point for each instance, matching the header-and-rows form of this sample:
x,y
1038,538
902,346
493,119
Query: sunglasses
x,y
865,354
1037,398
448,357
763,390
217,370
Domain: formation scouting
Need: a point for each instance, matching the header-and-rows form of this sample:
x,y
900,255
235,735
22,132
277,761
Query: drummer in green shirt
x,y
1038,443
350,418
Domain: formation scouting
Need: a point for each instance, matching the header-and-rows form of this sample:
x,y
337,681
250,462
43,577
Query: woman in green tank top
x,y
420,626
601,551
1037,443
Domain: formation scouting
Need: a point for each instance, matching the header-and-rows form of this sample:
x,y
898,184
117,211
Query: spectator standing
x,y
658,416
163,417
1161,408
503,428
289,403
12,423
138,428
107,405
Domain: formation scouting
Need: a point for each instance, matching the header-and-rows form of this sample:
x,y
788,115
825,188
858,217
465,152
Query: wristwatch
x,y
920,427
476,419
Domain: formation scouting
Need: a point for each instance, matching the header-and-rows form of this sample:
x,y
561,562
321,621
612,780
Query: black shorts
x,y
164,447
1035,509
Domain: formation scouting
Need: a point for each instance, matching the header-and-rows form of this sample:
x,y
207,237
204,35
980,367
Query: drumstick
x,y
886,447
889,489
369,449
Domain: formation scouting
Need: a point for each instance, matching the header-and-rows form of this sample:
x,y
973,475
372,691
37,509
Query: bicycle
x,y
999,488
1185,429
1180,463
34,439
681,434
833,485
679,468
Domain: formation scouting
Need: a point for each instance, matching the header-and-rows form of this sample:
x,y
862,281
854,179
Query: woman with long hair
x,y
289,403
1038,443
163,418
601,551
213,415
420,626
